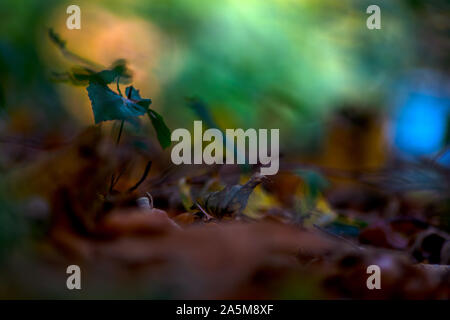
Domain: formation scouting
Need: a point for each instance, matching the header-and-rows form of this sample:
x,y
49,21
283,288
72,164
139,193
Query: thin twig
x,y
202,210
118,87
144,176
120,132
151,199
113,183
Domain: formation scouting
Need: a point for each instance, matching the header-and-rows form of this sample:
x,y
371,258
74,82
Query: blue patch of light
x,y
420,125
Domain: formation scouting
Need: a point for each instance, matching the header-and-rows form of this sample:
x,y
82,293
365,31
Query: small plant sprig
x,y
106,103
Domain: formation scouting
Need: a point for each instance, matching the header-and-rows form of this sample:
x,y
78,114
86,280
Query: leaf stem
x,y
120,132
144,176
113,177
118,87
208,217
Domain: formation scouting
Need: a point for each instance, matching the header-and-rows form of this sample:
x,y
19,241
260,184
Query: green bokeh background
x,y
271,64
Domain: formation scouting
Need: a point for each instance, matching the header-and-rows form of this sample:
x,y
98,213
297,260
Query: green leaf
x,y
118,69
231,200
133,95
162,131
108,105
81,75
315,180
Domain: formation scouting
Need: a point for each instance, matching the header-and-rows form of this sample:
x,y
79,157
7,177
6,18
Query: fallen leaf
x,y
231,200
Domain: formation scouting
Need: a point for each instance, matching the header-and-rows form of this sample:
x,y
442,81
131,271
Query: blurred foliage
x,y
309,67
276,63
255,63
24,82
